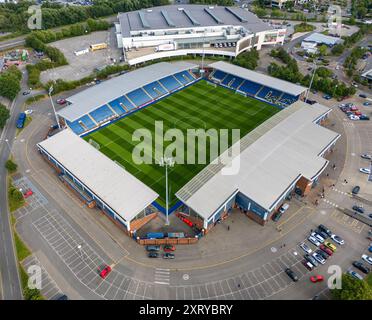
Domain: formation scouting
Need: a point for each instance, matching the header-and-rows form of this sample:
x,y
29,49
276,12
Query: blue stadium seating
x,y
184,77
219,75
250,87
170,83
155,89
115,104
227,80
102,113
269,94
288,99
139,97
76,126
236,83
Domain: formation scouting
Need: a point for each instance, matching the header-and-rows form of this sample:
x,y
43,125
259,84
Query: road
x,y
10,283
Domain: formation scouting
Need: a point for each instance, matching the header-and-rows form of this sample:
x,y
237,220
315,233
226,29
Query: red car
x,y
169,248
104,272
28,193
317,278
357,113
325,249
61,101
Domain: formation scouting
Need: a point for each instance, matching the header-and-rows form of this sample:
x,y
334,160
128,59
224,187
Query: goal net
x,y
94,144
212,84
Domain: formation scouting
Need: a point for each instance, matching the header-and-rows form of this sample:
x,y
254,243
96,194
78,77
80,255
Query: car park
x,y
153,254
325,229
103,273
367,259
355,275
152,248
314,241
168,255
307,265
330,246
311,260
338,240
358,209
365,170
291,274
359,265
355,190
325,249
322,253
305,247
316,278
318,258
318,237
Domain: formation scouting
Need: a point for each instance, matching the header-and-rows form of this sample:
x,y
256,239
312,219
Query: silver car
x,y
318,237
314,241
305,247
319,258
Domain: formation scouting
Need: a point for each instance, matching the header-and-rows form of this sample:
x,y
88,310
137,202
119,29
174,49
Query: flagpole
x,y
54,109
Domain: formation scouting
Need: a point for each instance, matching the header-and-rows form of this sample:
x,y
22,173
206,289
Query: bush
x,y
11,166
303,27
4,115
248,59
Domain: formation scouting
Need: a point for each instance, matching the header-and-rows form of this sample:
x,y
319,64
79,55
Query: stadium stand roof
x,y
90,99
124,193
156,18
259,78
272,157
320,38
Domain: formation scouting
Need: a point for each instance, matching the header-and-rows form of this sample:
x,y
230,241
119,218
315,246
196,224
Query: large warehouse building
x,y
177,30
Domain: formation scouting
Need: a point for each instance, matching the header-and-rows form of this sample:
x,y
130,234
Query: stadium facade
x,y
282,156
177,30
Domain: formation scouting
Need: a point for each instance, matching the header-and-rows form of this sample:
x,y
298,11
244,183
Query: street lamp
x,y
311,82
51,101
166,162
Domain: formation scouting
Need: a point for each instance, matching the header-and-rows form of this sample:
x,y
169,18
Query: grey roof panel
x,y
90,99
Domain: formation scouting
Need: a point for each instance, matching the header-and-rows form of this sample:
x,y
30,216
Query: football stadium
x,y
283,145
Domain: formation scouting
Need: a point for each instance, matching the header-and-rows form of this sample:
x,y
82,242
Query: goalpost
x,y
212,84
94,144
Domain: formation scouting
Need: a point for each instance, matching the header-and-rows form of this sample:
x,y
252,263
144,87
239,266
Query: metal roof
x,y
322,38
259,78
186,16
90,99
272,158
124,193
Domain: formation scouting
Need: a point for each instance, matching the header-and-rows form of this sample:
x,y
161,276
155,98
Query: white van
x,y
284,208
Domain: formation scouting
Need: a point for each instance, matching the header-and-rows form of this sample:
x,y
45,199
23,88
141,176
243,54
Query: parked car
x,y
322,233
358,209
318,258
311,260
370,215
327,97
355,275
28,193
307,265
363,117
25,93
276,216
284,208
367,259
354,108
314,241
355,190
169,248
103,273
152,248
366,156
365,170
330,246
322,253
325,249
291,274
316,278
61,101
359,265
168,255
338,240
305,247
362,95
28,111
367,103
325,229
353,117
318,237
153,254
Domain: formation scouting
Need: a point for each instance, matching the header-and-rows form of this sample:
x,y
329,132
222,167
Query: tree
x,y
16,195
323,49
352,289
4,115
338,49
248,59
11,166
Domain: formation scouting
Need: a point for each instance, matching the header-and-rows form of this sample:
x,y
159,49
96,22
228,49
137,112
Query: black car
x,y
355,190
323,234
291,274
362,95
168,255
322,253
62,297
153,254
370,215
325,229
311,260
358,209
361,267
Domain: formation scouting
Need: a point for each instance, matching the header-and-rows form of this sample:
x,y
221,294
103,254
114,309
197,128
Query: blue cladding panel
x,y
139,97
184,77
102,113
155,89
170,83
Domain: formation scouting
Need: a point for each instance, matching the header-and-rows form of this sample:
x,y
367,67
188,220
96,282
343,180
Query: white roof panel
x,y
124,193
259,78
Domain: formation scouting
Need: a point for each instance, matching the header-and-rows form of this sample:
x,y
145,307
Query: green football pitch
x,y
200,106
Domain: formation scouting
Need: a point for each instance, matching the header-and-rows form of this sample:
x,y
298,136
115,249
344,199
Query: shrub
x,y
11,166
